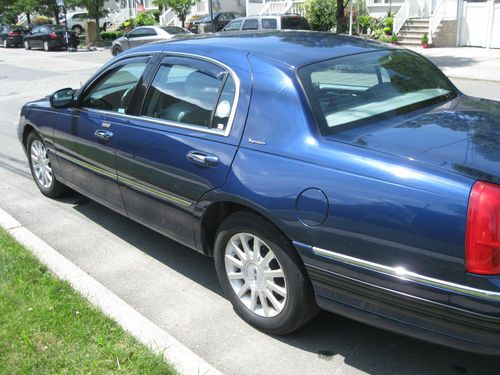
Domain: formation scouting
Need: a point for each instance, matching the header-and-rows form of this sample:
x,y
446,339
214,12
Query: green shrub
x,y
156,14
111,35
364,22
425,39
127,25
41,20
145,19
320,14
388,30
394,38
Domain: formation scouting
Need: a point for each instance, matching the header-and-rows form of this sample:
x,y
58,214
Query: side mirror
x,y
63,98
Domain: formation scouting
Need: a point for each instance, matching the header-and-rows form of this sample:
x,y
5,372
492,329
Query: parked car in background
x,y
12,36
76,21
221,19
50,37
281,22
317,169
146,34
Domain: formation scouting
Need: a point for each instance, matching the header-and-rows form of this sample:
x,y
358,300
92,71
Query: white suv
x,y
76,21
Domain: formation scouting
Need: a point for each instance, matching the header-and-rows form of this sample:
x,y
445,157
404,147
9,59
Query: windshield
x,y
357,89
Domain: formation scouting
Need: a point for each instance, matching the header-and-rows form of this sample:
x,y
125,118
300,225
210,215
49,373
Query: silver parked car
x,y
146,34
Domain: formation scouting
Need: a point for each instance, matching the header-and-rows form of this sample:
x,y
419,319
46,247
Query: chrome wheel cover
x,y
41,164
26,44
46,46
255,275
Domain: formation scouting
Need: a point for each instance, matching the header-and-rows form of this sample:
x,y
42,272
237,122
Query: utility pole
x,y
211,10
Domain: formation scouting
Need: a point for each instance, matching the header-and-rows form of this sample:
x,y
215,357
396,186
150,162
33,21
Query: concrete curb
x,y
184,360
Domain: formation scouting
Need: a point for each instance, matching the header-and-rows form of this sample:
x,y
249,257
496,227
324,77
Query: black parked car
x,y
220,20
11,36
50,37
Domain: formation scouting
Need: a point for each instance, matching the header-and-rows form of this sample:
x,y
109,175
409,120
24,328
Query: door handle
x,y
103,135
201,158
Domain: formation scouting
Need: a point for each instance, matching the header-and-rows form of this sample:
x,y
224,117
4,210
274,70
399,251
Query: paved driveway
x,y
174,286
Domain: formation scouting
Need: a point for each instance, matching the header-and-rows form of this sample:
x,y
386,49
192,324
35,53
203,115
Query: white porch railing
x,y
401,17
283,7
167,18
436,18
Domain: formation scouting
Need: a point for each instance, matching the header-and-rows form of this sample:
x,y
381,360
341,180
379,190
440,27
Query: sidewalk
x,y
465,62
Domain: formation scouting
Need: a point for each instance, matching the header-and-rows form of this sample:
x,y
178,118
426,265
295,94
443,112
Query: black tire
x,y
77,29
6,43
27,45
55,189
46,46
116,50
300,305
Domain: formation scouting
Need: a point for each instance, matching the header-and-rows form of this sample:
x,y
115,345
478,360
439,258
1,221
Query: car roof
x,y
294,48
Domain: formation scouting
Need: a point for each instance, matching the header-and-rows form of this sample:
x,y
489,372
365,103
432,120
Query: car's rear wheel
x,y
46,46
41,168
5,44
116,50
27,45
262,274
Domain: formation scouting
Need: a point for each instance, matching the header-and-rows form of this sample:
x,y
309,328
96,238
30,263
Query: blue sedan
x,y
319,171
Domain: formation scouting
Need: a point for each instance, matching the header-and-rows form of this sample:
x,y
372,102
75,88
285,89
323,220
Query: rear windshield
x,y
175,30
357,89
294,23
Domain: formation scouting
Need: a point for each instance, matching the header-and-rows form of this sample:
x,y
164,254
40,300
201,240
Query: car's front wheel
x,y
116,50
46,46
262,274
5,44
27,45
41,168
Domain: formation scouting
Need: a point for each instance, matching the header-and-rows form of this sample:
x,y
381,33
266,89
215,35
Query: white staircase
x,y
413,30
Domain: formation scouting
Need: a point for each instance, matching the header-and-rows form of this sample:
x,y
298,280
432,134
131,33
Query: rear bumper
x,y
408,314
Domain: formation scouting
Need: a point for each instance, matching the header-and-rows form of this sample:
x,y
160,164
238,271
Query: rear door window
x,y
191,92
251,24
294,23
269,23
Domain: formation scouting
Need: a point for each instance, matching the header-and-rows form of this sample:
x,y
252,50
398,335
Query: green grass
x,y
48,328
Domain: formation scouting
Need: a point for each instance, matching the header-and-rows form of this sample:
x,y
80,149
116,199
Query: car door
x,y
85,138
178,148
136,37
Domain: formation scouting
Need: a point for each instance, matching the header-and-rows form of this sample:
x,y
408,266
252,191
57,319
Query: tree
x,y
321,14
341,5
26,6
181,8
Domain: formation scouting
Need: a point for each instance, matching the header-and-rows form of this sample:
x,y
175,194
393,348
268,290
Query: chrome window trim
x,y
230,121
403,274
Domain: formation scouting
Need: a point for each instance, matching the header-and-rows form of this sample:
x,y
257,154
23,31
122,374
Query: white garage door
x,y
495,31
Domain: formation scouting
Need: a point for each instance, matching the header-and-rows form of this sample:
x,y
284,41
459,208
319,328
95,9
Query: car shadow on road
x,y
452,61
328,335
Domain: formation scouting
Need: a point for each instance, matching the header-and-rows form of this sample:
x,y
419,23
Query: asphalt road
x,y
174,286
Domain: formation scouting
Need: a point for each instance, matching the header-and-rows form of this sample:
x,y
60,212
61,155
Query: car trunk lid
x,y
461,135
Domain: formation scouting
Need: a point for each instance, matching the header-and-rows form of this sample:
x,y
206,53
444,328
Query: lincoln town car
x,y
320,171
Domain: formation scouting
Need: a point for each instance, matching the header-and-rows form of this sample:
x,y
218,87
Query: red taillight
x,y
53,36
482,252
13,33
